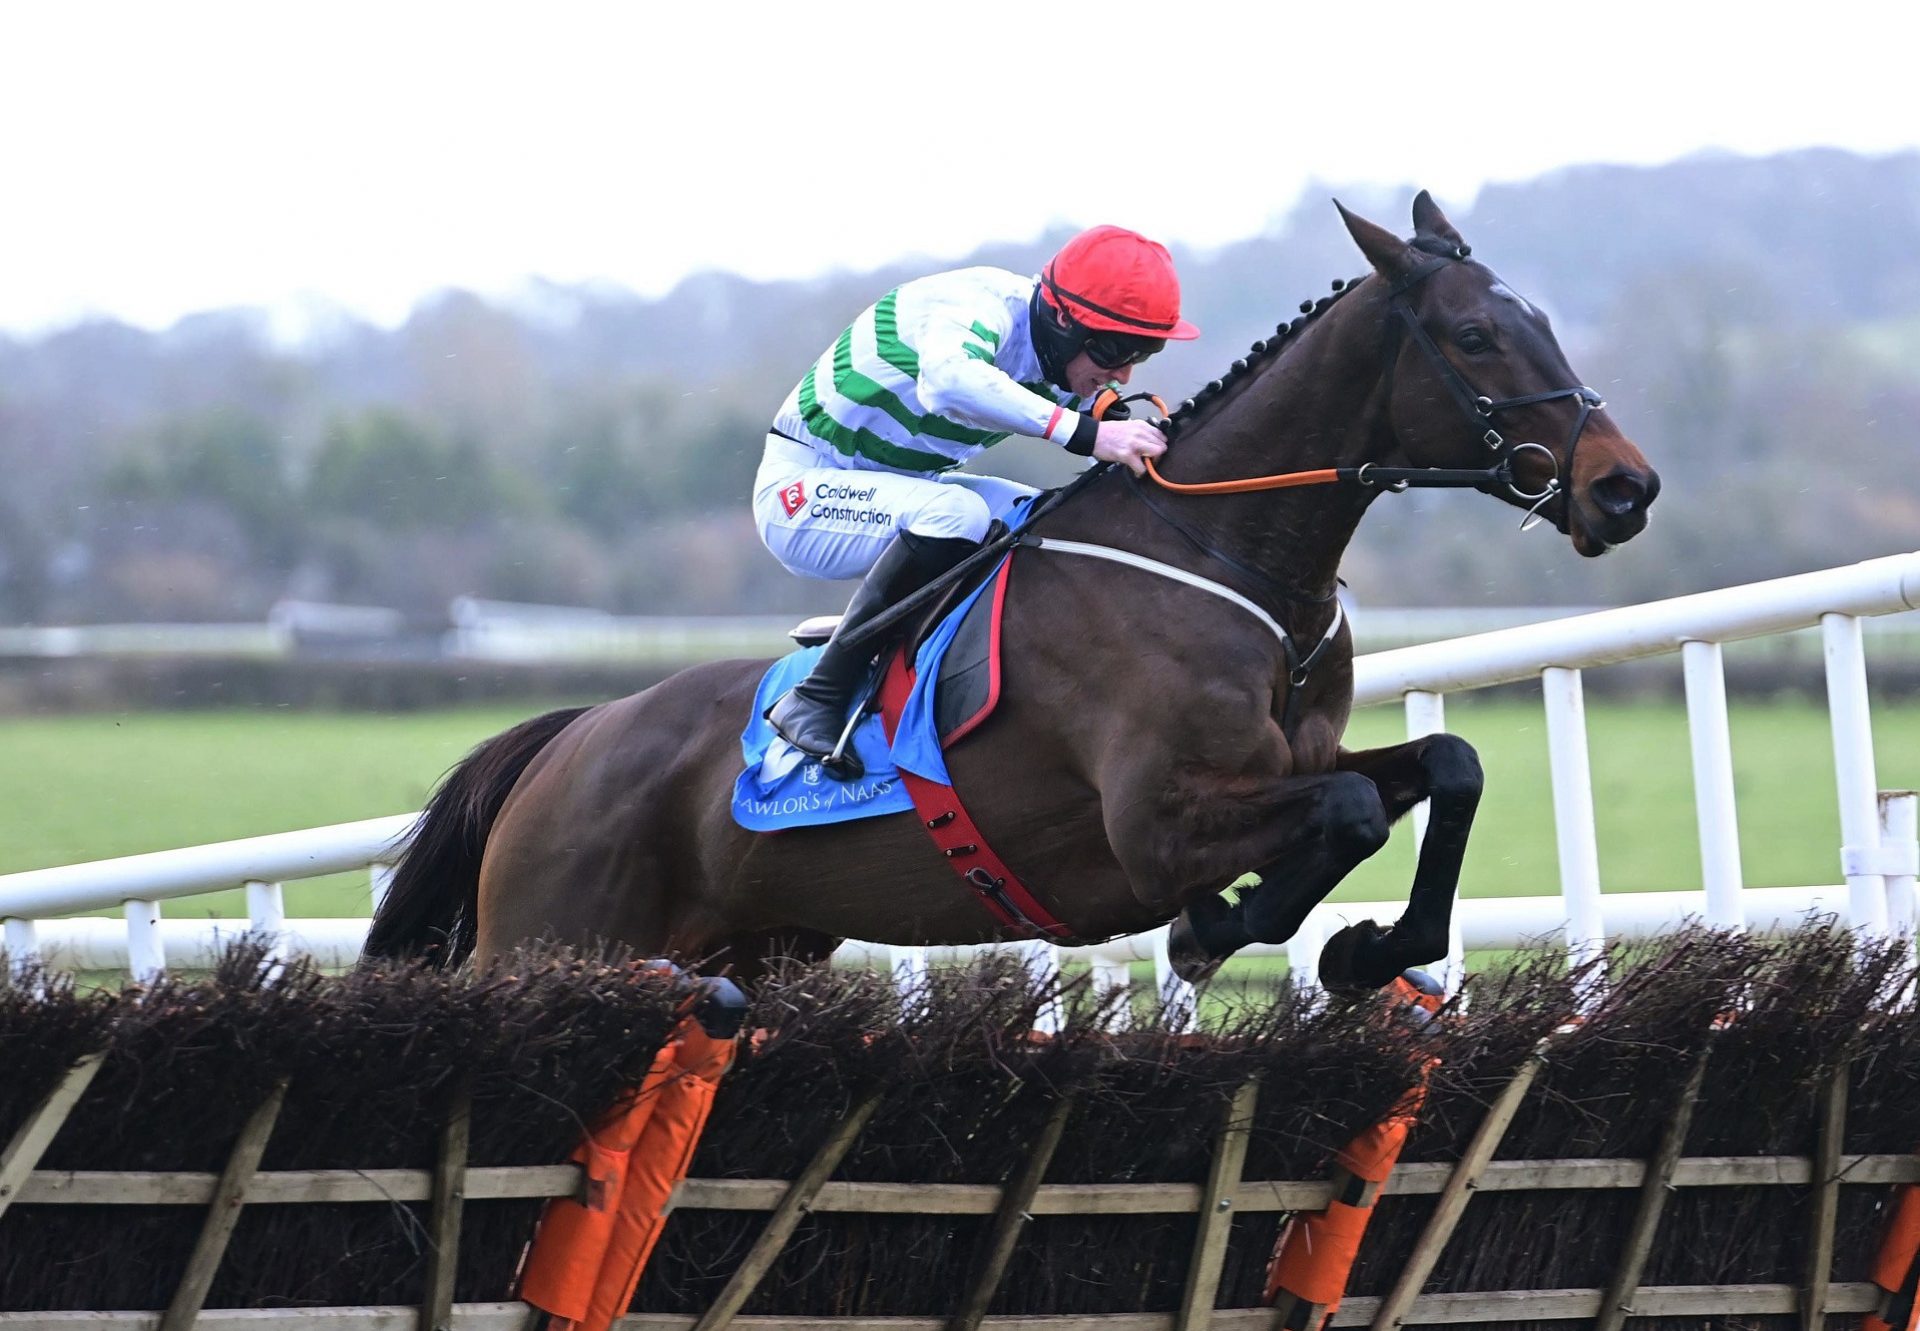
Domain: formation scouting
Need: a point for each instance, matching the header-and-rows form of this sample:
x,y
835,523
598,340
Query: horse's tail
x,y
430,904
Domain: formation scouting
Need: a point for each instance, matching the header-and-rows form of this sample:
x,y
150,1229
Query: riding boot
x,y
813,713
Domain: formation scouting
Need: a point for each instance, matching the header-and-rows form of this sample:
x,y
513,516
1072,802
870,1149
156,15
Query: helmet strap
x,y
1054,345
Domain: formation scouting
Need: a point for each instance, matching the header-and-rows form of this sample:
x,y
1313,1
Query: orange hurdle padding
x,y
655,1165
1897,1269
571,1244
1316,1252
587,1255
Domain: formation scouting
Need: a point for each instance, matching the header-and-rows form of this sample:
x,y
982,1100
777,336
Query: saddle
x,y
779,789
967,687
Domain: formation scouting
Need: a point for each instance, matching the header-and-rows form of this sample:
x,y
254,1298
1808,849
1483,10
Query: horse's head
x,y
1474,374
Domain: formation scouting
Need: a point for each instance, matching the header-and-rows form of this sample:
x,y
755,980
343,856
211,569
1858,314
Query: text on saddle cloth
x,y
956,687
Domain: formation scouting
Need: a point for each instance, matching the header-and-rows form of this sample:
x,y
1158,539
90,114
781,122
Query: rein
x,y
1109,405
1488,480
1478,409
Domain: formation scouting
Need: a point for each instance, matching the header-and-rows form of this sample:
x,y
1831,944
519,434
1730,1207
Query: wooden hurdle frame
x,y
452,1183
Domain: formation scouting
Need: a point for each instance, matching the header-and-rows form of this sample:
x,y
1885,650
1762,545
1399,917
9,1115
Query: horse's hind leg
x,y
1347,825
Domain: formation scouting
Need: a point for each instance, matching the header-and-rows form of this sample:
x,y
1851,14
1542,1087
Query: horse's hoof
x,y
1187,955
1354,961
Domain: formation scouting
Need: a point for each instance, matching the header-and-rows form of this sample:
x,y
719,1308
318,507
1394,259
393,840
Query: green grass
x,y
87,787
78,788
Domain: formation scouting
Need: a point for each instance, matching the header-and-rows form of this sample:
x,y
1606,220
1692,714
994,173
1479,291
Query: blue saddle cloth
x,y
782,788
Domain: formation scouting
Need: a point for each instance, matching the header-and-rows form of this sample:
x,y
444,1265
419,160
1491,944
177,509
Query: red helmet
x,y
1117,281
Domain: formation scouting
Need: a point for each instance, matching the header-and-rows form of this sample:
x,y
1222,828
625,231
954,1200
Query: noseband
x,y
1479,409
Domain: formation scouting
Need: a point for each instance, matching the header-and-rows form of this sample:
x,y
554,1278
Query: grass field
x,y
86,787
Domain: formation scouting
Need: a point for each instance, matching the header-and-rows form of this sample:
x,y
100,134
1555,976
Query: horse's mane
x,y
1285,335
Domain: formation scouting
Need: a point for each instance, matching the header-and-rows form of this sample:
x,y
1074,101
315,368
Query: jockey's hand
x,y
1128,442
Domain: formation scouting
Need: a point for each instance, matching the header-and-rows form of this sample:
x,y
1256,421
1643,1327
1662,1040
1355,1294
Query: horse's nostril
x,y
1622,492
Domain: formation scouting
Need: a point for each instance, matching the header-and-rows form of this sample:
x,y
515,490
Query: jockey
x,y
857,477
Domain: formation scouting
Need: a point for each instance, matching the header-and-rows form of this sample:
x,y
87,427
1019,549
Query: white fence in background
x,y
222,640
1877,861
523,633
539,634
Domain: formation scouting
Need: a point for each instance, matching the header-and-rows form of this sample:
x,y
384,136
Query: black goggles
x,y
1112,351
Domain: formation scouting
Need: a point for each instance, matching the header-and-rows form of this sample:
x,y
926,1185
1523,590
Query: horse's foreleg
x,y
1346,824
1444,770
1310,833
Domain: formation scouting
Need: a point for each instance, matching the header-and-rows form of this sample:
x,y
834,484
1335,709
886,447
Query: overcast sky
x,y
161,158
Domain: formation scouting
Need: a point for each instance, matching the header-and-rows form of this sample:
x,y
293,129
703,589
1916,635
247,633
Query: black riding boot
x,y
814,712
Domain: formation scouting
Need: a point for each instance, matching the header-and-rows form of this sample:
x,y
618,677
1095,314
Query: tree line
x,y
1755,324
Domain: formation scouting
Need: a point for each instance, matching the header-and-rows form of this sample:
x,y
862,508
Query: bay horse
x,y
1153,743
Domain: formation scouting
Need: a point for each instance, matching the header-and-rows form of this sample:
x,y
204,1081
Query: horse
x,y
1153,743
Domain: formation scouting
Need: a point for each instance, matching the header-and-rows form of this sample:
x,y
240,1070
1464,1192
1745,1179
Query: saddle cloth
x,y
956,686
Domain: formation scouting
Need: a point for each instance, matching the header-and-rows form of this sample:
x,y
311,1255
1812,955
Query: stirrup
x,y
843,764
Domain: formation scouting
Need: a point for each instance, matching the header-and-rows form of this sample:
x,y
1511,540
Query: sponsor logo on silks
x,y
859,494
865,517
810,774
793,498
840,501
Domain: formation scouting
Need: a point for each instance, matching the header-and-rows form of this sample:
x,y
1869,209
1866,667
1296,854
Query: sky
x,y
161,159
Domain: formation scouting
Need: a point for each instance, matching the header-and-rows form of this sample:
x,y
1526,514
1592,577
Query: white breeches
x,y
833,522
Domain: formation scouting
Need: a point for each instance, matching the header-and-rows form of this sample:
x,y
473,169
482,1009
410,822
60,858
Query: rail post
x,y
1175,994
1899,830
1713,800
1427,715
267,915
1858,789
146,954
1573,812
22,942
1303,949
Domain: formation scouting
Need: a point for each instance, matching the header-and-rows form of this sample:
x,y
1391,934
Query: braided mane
x,y
1266,349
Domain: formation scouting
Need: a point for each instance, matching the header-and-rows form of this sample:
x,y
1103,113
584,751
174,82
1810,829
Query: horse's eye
x,y
1473,340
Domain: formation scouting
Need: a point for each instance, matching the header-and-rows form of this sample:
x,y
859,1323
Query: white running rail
x,y
1877,861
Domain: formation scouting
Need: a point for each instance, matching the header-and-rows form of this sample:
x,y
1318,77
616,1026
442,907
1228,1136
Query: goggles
x,y
1112,351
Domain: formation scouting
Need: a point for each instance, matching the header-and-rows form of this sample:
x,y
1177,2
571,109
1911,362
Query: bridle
x,y
1479,410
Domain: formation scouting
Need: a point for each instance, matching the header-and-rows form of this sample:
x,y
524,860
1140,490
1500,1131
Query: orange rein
x,y
1108,398
1284,481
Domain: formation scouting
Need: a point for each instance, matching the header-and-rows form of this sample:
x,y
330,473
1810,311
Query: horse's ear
x,y
1389,255
1428,220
